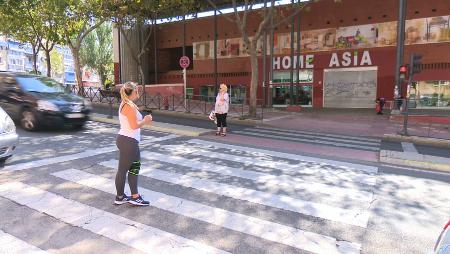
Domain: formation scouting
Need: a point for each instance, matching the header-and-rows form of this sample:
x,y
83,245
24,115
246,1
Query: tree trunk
x,y
76,61
49,65
254,81
102,76
34,59
141,74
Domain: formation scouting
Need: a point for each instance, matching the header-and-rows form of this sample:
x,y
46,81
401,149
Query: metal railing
x,y
197,104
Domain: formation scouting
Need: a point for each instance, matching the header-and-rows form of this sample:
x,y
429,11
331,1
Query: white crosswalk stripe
x,y
264,152
81,155
296,185
13,245
352,217
267,230
117,228
259,197
355,174
344,141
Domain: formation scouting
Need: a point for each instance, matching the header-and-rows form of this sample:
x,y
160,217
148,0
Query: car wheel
x,y
2,162
28,121
78,126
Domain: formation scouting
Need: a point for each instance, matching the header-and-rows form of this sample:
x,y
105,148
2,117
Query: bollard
x,y
110,116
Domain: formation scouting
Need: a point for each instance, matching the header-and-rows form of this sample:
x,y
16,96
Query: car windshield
x,y
40,85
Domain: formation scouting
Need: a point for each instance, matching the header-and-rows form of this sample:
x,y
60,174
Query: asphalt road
x,y
210,196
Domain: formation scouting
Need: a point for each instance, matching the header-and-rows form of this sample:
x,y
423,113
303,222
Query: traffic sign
x,y
184,62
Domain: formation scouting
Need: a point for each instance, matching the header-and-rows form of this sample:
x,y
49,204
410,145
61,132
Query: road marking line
x,y
13,245
285,167
76,156
320,134
112,226
346,165
409,147
313,137
313,141
275,118
271,231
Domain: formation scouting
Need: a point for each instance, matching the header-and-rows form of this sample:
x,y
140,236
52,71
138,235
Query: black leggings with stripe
x,y
128,153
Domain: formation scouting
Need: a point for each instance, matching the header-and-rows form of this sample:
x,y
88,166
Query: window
x,y
40,85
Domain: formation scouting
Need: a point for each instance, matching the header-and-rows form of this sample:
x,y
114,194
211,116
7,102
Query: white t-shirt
x,y
222,107
125,128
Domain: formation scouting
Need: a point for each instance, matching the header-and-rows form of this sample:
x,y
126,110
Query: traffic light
x,y
416,62
403,71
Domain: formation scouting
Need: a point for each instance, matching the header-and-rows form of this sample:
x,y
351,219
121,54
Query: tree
x,y
57,64
133,17
96,52
18,24
46,24
268,12
79,19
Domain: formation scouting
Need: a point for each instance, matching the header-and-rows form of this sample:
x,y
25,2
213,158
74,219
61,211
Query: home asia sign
x,y
337,60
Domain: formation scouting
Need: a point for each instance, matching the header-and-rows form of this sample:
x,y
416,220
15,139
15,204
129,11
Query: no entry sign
x,y
184,62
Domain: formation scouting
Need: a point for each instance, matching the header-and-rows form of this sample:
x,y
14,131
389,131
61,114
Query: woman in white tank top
x,y
128,140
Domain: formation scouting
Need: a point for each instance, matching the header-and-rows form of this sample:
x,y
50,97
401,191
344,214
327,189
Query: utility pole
x,y
415,66
400,46
264,83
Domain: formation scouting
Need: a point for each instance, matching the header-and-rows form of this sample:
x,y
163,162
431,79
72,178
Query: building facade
x,y
18,57
347,55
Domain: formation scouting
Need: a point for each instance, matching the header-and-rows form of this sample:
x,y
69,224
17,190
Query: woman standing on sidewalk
x,y
127,141
221,109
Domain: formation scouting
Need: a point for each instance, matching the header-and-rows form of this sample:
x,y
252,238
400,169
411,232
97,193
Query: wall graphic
x,y
387,34
438,29
315,40
415,31
351,37
418,31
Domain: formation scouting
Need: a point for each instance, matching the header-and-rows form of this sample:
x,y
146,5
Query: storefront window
x,y
430,94
237,93
281,95
305,76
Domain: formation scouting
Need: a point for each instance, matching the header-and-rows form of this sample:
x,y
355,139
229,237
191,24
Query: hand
x,y
148,119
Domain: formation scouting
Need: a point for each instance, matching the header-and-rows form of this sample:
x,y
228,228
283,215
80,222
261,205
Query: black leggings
x,y
221,120
128,153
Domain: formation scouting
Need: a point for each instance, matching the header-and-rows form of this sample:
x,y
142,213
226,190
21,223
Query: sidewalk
x,y
352,122
157,126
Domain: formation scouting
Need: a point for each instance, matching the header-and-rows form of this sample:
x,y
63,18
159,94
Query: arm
x,y
130,113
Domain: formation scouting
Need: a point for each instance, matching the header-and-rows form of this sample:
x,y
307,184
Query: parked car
x,y
443,242
35,101
8,137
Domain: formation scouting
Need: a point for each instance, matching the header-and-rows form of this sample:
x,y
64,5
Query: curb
x,y
415,160
418,140
168,128
234,120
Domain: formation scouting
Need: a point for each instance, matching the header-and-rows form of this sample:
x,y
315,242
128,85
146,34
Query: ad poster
x,y
387,34
415,31
364,36
318,40
438,29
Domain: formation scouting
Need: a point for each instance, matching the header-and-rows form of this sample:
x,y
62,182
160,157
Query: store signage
x,y
347,59
285,62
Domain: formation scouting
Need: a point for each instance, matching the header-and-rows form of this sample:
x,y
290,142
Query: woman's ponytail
x,y
126,90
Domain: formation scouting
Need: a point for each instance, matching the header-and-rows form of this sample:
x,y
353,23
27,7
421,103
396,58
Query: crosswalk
x,y
344,141
249,179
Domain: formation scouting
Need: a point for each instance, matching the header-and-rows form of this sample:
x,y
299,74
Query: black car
x,y
36,101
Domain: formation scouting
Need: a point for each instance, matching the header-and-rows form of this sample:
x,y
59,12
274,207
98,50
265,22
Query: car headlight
x,y
46,105
87,104
7,125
